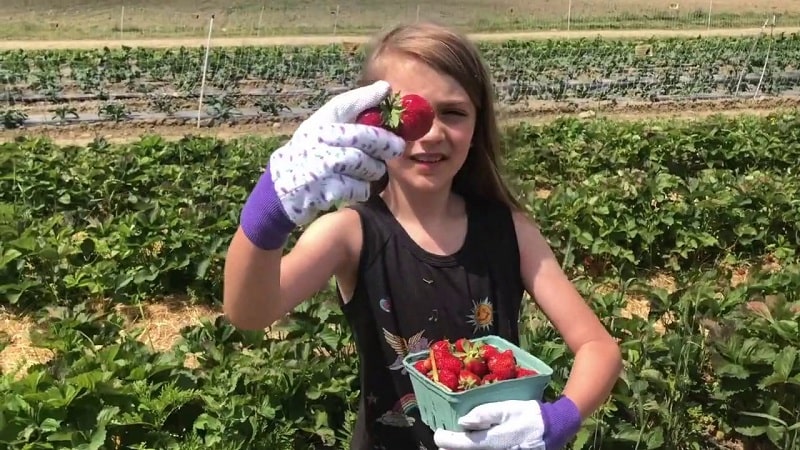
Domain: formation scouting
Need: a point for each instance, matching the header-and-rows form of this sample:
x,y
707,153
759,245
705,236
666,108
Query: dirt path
x,y
331,39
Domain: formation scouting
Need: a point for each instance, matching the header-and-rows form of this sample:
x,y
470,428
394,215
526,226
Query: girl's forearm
x,y
251,290
596,369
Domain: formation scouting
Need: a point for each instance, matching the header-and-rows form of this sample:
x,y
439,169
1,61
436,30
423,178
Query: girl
x,y
434,247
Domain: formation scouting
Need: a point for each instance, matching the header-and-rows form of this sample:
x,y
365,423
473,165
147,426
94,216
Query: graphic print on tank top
x,y
407,298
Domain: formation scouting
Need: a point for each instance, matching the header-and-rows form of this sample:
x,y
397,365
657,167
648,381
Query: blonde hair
x,y
453,54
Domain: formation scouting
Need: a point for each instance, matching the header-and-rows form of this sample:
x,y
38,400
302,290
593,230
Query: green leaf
x,y
732,370
50,425
329,337
655,437
9,255
202,268
785,361
769,417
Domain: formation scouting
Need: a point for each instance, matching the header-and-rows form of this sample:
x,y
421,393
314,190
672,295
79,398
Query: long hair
x,y
452,53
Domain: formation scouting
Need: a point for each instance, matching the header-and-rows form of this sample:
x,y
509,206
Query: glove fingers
x,y
482,417
343,188
322,195
455,440
374,141
357,164
345,107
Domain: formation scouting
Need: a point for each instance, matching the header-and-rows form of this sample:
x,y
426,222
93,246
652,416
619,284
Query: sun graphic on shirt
x,y
482,316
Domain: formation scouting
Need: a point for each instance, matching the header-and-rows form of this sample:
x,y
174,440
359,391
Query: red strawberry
x,y
409,116
446,361
489,378
423,365
523,372
468,380
504,365
443,344
462,345
476,366
486,351
449,379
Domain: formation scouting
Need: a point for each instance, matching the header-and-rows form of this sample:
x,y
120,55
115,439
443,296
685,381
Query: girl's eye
x,y
455,112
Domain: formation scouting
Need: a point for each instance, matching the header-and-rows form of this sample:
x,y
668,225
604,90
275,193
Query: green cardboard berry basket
x,y
440,408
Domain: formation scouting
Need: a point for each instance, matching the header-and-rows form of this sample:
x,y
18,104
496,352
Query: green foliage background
x,y
712,364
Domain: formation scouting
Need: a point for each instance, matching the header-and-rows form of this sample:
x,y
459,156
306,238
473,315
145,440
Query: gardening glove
x,y
514,425
328,159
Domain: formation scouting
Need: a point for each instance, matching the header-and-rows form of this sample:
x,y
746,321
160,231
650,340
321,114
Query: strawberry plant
x,y
709,363
758,344
298,77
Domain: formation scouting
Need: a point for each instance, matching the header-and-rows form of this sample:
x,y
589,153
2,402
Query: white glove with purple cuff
x,y
514,425
328,159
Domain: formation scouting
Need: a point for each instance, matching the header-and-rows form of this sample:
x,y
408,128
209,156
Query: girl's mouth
x,y
428,158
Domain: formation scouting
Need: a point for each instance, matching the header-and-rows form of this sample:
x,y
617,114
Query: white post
x,y
417,12
205,67
121,21
752,49
769,49
336,20
260,17
569,14
710,4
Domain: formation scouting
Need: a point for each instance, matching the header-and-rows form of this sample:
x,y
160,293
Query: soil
x,y
330,39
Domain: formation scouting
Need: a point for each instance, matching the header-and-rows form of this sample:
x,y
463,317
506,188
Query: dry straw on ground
x,y
162,321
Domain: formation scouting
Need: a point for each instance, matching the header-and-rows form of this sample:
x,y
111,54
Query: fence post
x,y
260,17
336,20
569,14
205,68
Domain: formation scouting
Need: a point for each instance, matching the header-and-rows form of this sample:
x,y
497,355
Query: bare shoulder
x,y
537,260
528,232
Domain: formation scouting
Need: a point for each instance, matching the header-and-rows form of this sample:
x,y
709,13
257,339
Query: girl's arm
x,y
536,424
598,361
261,286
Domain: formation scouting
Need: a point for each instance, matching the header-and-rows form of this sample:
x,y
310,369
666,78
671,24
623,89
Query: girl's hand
x,y
329,159
514,425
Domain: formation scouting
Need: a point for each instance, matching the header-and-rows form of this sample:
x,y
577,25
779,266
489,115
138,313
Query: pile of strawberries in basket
x,y
464,365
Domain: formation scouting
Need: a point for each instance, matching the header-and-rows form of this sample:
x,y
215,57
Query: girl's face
x,y
430,163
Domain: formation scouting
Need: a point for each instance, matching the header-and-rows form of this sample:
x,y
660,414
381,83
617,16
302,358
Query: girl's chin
x,y
426,184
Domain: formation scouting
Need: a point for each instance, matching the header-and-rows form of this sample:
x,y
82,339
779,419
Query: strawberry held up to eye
x,y
409,116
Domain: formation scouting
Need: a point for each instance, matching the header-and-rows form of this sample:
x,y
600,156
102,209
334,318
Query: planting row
x,y
155,217
233,108
571,149
523,70
127,222
692,362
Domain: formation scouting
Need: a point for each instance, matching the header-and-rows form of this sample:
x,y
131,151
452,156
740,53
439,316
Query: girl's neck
x,y
425,208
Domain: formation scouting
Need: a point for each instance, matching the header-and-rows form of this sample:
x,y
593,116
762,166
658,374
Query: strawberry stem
x,y
433,367
392,111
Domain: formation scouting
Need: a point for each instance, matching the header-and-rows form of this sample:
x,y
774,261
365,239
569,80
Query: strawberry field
x,y
681,235
247,84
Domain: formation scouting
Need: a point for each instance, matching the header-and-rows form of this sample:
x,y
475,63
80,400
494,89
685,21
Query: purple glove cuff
x,y
562,421
263,219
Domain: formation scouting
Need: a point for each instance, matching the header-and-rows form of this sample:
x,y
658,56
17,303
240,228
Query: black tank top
x,y
406,298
